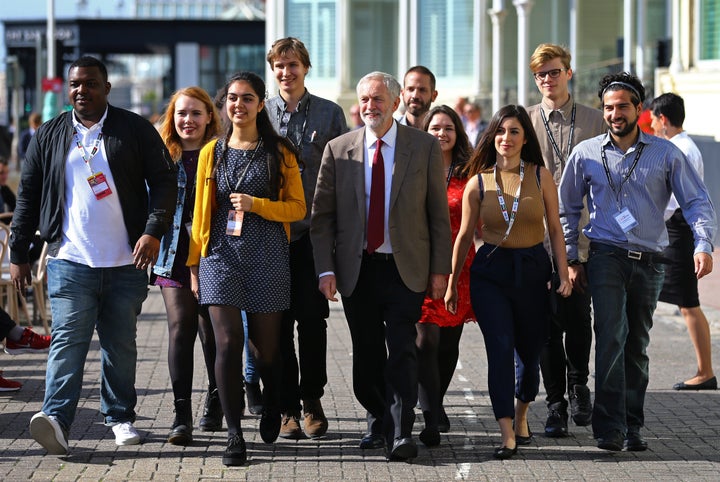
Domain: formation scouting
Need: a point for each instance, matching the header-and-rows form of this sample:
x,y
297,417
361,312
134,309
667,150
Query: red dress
x,y
433,311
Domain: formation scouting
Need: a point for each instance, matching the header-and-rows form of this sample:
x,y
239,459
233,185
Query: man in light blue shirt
x,y
628,177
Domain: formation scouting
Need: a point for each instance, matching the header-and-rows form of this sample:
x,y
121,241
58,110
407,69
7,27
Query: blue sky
x,y
64,9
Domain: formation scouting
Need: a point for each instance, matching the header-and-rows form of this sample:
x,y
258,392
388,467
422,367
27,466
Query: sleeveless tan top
x,y
529,227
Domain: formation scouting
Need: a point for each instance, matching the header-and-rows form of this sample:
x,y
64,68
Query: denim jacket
x,y
169,241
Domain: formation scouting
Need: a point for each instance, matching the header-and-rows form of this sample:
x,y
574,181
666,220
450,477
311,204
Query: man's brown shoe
x,y
316,424
290,427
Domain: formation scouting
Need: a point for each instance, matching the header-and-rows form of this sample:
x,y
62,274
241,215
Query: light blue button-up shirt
x,y
661,170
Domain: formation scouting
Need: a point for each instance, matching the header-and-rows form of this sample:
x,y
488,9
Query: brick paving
x,y
683,429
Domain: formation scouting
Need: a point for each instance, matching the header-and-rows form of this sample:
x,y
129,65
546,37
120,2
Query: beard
x,y
418,111
628,129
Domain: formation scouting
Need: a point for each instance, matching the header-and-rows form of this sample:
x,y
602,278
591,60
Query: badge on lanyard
x,y
234,223
99,185
625,220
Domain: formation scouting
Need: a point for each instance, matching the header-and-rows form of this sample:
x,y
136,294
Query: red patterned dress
x,y
433,311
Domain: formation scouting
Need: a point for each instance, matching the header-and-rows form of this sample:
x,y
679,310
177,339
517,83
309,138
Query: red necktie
x,y
376,214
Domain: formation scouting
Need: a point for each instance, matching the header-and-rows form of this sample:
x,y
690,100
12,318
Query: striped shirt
x,y
661,170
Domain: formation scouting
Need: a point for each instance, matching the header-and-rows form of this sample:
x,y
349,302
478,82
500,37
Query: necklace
x,y
243,145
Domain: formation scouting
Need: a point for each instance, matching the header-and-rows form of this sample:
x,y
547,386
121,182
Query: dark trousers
x,y
510,297
566,354
624,293
382,312
310,309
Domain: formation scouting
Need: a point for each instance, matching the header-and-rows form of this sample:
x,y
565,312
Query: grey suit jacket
x,y
419,223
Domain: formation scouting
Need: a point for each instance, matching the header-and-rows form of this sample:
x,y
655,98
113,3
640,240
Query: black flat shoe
x,y
524,440
430,437
403,449
612,442
709,384
235,453
270,425
635,443
372,441
504,453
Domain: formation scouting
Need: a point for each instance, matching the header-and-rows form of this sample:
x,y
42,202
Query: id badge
x,y
625,220
188,227
234,223
99,185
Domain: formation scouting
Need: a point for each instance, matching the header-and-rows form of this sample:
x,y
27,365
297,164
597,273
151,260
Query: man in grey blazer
x,y
381,237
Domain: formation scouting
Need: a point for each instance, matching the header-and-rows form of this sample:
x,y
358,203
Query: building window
x,y
445,37
373,37
313,22
217,64
709,24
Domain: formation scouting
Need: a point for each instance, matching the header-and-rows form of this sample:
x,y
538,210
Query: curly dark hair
x,y
622,81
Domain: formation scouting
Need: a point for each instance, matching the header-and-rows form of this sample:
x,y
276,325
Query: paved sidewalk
x,y
683,429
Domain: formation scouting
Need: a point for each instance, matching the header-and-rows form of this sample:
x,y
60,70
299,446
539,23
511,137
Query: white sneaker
x,y
125,434
48,432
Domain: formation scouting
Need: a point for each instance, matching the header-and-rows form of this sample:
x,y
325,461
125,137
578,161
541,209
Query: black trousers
x,y
381,314
310,309
566,354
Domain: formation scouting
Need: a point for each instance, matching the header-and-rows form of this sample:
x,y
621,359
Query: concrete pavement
x,y
682,428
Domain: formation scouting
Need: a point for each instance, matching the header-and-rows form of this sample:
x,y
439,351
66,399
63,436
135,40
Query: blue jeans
x,y
624,295
251,375
83,299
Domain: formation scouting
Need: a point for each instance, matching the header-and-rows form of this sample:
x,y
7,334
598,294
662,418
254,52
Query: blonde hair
x,y
546,52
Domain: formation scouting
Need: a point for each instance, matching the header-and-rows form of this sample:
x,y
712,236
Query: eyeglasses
x,y
554,74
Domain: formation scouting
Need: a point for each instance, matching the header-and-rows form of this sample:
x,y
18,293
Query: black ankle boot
x,y
254,398
211,420
181,433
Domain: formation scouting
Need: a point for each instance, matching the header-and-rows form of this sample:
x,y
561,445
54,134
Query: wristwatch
x,y
574,262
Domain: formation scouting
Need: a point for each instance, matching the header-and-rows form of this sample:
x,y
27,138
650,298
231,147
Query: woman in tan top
x,y
510,273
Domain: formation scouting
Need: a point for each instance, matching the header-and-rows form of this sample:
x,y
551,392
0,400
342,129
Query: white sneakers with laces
x,y
125,434
48,432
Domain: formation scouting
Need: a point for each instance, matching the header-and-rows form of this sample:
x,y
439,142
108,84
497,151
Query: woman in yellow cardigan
x,y
248,190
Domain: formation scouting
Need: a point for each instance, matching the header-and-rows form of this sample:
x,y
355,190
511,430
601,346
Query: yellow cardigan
x,y
290,207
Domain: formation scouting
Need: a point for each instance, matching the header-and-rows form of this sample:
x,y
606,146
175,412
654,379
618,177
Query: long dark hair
x,y
272,140
462,149
485,155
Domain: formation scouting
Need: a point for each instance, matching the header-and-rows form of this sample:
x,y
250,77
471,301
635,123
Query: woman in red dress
x,y
439,331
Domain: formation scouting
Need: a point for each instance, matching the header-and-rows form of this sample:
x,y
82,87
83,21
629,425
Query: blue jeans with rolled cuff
x,y
82,300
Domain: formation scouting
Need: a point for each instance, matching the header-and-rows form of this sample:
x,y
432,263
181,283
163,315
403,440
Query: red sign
x,y
52,85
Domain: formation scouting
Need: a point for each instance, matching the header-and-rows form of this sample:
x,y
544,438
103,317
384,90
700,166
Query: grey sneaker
x,y
48,432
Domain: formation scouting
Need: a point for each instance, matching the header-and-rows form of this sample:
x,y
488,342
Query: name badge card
x,y
99,185
234,223
188,227
625,220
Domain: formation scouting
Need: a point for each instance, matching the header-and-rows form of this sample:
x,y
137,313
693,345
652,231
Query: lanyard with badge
x,y
509,218
98,182
623,216
235,218
556,148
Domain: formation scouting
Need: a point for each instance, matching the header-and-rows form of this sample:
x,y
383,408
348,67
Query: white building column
x,y
497,16
676,60
481,66
640,48
404,38
274,29
573,19
627,34
523,8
